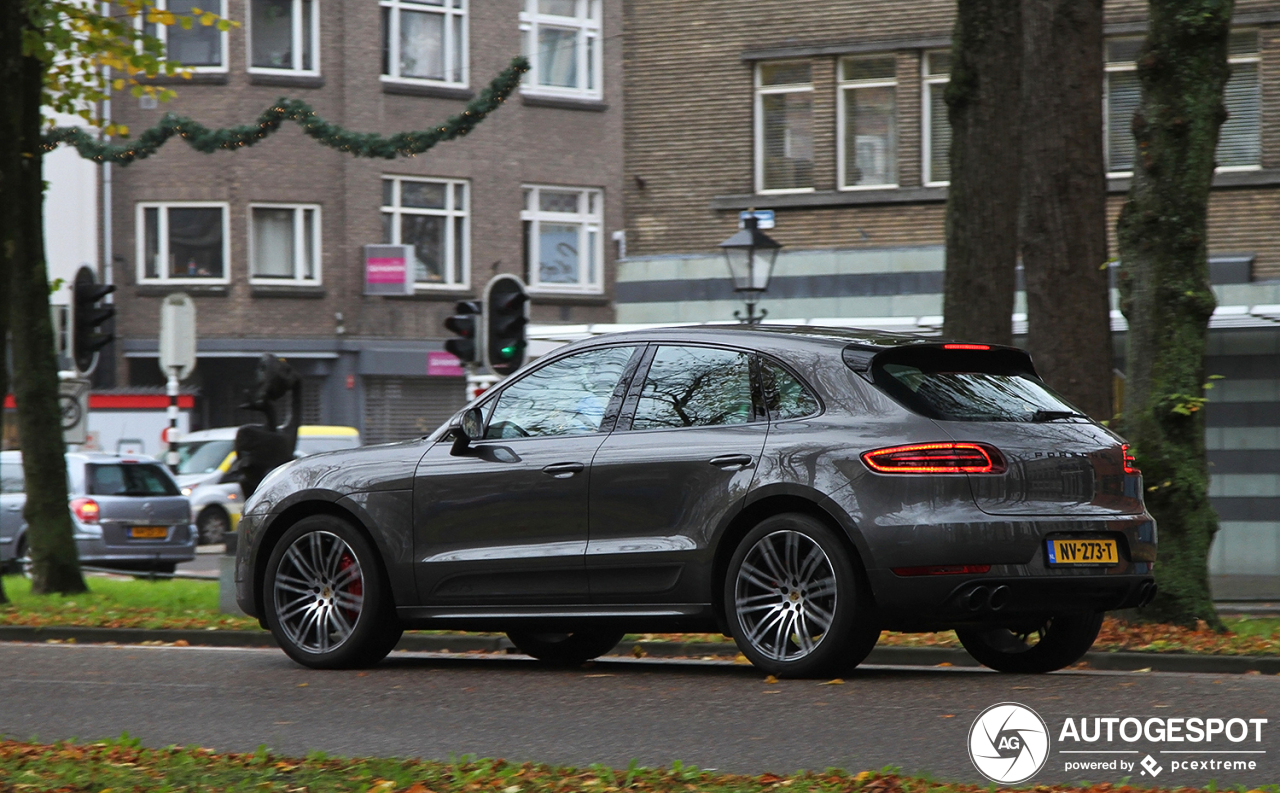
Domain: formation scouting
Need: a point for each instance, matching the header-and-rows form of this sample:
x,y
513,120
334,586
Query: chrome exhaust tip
x,y
999,597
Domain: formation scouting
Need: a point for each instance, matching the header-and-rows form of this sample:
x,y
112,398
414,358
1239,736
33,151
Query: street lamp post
x,y
750,254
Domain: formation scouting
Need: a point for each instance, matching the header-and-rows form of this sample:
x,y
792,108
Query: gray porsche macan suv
x,y
797,488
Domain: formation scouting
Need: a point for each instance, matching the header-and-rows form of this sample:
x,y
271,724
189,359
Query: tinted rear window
x,y
968,386
128,479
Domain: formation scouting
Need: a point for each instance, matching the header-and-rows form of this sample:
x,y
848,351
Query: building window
x,y
430,215
868,120
425,40
1239,141
183,241
563,245
284,35
784,127
284,243
202,47
563,43
936,125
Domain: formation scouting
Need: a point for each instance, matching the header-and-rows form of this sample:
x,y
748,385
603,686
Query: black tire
x,y
22,561
566,649
359,624
213,525
835,598
1062,640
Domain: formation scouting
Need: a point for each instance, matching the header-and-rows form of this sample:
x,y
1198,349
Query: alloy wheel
x,y
785,595
319,592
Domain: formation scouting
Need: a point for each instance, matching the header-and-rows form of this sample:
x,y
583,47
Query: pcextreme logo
x,y
1008,743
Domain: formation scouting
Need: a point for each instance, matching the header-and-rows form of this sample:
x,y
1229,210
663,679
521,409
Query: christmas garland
x,y
360,144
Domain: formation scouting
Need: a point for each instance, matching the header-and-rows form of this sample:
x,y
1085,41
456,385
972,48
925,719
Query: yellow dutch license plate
x,y
1093,552
149,532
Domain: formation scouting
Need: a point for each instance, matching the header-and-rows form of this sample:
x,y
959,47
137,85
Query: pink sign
x,y
444,364
385,271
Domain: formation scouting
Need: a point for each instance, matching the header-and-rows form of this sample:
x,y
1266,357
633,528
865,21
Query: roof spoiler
x,y
860,357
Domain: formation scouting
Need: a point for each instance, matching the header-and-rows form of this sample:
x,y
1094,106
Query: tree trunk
x,y
11,21
50,534
1064,193
982,201
1165,289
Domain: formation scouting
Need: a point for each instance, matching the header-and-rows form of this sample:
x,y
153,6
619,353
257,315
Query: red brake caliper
x,y
355,588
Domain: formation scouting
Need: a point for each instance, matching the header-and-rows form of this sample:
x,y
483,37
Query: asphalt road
x,y
710,714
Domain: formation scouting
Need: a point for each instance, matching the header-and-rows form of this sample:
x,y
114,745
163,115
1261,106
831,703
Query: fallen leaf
x,y
835,681
947,716
771,679
741,659
303,685
182,643
945,663
638,651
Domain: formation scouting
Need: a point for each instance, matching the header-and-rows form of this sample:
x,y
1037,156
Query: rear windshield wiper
x,y
1054,415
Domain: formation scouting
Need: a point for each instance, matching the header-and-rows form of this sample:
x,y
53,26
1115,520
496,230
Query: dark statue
x,y
261,447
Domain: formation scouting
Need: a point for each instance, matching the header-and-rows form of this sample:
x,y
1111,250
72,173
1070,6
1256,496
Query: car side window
x,y
784,395
568,397
695,387
11,480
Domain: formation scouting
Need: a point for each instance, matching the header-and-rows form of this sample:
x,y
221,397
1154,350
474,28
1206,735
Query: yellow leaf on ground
x,y
771,679
835,681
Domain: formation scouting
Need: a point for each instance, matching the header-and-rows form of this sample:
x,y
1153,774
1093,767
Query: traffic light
x,y
465,325
87,316
506,307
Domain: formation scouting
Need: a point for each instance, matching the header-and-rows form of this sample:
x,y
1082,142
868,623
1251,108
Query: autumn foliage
x,y
124,765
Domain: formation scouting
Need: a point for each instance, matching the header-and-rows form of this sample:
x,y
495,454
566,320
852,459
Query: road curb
x,y
465,643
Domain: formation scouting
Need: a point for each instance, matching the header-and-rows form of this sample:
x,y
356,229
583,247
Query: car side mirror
x,y
470,427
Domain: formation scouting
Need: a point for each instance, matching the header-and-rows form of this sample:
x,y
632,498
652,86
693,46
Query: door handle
x,y
563,470
738,461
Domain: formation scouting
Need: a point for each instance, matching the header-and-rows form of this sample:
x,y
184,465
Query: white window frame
x,y
451,212
299,246
450,56
1254,57
843,87
1130,66
589,222
1110,68
162,33
758,123
298,34
162,231
927,81
588,24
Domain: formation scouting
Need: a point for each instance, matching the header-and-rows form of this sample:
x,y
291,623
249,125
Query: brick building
x,y
269,240
831,114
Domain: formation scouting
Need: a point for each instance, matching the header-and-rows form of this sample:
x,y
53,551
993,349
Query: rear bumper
x,y
180,547
939,602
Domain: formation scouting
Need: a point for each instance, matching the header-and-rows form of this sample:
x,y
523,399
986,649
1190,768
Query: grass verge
x,y
123,765
193,605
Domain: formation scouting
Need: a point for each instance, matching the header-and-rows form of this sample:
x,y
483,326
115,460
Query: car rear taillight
x,y
936,458
1130,462
86,510
966,347
944,569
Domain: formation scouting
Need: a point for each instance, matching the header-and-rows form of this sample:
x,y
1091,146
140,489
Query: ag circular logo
x,y
1009,743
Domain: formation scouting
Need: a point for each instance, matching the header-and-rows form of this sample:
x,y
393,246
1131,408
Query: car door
x,y
505,521
680,461
12,500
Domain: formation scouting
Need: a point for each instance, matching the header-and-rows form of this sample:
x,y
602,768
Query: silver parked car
x,y
128,512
